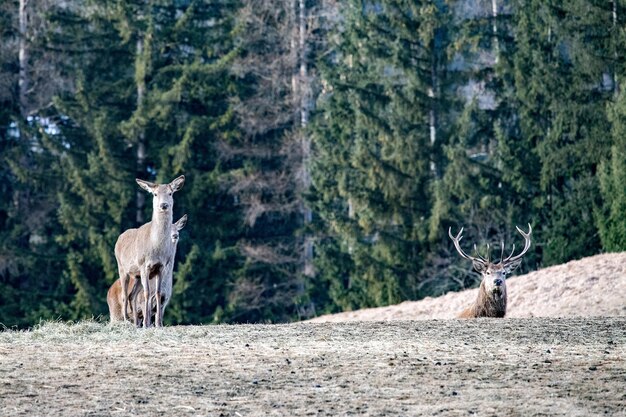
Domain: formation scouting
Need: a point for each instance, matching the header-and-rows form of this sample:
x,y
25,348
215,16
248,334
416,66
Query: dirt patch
x,y
514,366
594,286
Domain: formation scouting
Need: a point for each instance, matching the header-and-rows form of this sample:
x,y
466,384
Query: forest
x,y
327,146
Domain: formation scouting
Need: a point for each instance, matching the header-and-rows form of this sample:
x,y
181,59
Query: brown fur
x,y
486,305
115,296
114,300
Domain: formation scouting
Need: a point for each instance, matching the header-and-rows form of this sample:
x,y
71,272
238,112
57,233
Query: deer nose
x,y
497,282
164,206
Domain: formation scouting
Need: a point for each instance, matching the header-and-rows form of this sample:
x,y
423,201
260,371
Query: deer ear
x,y
177,184
512,266
148,186
181,222
479,266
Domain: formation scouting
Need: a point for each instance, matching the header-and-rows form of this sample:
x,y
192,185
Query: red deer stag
x,y
491,300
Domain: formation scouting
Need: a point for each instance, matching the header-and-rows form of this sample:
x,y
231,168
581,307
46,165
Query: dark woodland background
x,y
328,145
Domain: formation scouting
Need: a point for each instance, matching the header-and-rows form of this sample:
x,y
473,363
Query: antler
x,y
509,259
456,241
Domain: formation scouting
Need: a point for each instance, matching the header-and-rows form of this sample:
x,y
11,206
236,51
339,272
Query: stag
x,y
491,300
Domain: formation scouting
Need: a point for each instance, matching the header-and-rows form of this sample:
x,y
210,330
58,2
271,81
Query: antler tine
x,y
526,236
478,253
456,241
508,257
501,250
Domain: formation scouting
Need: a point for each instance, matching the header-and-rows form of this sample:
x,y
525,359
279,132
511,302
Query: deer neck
x,y
161,226
490,304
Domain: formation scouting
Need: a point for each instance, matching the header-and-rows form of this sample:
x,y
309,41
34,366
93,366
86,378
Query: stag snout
x,y
498,282
164,206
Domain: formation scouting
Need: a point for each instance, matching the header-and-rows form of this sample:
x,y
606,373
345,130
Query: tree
x,y
375,157
612,175
156,119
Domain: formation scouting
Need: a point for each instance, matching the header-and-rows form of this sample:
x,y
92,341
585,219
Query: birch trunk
x,y
140,72
615,55
23,81
496,45
304,108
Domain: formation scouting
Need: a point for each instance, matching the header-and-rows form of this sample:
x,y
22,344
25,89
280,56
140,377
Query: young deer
x,y
148,251
491,300
114,295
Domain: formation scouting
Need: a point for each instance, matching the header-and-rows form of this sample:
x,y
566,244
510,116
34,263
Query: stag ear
x,y
512,266
148,186
480,267
181,222
177,184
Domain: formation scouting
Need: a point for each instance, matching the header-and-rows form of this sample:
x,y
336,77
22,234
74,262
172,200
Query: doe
x,y
148,250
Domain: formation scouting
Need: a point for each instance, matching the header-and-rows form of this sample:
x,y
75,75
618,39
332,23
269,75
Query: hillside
x,y
594,286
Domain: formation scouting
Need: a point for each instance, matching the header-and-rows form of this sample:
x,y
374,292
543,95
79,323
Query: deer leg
x,y
157,293
133,298
162,313
145,282
124,281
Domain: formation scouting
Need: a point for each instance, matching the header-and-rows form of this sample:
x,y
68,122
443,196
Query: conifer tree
x,y
612,175
374,150
560,60
152,104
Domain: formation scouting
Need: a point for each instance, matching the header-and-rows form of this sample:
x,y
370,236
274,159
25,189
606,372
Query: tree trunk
x,y
432,94
23,81
140,71
615,55
494,11
303,92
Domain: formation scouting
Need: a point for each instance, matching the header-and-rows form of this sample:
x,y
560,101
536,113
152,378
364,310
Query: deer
x,y
148,250
492,293
114,295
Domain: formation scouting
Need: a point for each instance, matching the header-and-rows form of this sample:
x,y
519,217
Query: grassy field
x,y
506,367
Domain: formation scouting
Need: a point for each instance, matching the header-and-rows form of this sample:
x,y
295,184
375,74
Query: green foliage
x,y
372,170
610,216
427,116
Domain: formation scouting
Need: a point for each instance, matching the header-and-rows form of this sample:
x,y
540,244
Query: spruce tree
x,y
612,175
374,147
560,60
153,103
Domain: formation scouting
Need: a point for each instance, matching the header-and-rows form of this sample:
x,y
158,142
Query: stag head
x,y
494,273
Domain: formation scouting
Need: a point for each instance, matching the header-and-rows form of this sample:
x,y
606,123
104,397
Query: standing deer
x,y
491,300
114,295
148,250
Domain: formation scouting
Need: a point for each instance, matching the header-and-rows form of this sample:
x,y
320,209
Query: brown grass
x,y
512,367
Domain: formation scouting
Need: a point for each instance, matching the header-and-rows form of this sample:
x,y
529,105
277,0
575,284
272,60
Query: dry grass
x,y
594,286
530,367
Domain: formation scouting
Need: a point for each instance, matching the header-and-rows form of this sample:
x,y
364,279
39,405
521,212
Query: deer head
x,y
177,227
163,194
494,273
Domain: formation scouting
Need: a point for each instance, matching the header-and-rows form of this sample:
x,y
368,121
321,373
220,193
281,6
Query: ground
x,y
506,367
